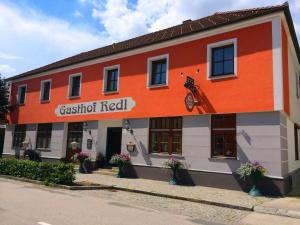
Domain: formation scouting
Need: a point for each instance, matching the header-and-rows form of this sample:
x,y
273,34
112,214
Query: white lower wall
x,y
91,133
8,139
258,138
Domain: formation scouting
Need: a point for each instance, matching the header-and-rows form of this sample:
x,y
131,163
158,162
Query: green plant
x,y
249,169
120,159
47,172
174,165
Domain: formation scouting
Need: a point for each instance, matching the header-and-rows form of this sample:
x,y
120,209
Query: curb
x,y
277,211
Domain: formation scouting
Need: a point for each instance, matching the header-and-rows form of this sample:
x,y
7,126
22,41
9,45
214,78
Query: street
x,y
29,204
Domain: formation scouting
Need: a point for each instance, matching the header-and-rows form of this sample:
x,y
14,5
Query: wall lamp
x,y
130,146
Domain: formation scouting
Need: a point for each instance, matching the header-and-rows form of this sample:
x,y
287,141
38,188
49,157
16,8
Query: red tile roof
x,y
188,27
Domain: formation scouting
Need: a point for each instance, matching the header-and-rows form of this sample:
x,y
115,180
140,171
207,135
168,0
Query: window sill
x,y
166,155
74,97
110,92
157,86
222,77
45,101
223,158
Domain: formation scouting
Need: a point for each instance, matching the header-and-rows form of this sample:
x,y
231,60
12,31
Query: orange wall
x,y
251,90
285,68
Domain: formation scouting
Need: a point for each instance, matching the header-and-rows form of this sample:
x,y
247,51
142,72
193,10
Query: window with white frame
x,y
158,71
21,94
45,90
74,85
222,59
111,79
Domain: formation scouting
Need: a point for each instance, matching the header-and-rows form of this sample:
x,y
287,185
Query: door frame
x,y
107,138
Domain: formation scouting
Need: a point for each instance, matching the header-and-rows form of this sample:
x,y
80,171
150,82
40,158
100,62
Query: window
x,y
74,85
45,90
166,135
223,136
111,78
158,71
19,135
43,137
296,132
21,94
221,59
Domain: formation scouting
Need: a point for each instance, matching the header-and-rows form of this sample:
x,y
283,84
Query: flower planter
x,y
173,180
120,173
255,177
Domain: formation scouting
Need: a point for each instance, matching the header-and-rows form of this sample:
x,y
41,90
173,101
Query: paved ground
x,y
29,204
230,197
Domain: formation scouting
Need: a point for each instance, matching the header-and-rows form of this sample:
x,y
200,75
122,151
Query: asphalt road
x,y
29,204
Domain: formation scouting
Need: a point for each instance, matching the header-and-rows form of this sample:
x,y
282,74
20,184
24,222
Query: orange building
x,y
213,92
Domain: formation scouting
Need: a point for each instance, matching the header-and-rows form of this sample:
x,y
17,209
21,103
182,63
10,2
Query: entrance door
x,y
113,141
75,132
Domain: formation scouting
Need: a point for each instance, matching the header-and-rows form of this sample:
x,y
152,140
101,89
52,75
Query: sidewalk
x,y
206,195
287,206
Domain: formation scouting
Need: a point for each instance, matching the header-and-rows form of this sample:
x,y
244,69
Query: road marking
x,y
43,223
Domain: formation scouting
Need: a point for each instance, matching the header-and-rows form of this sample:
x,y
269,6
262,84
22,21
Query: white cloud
x,y
297,4
38,39
122,20
77,13
7,70
8,56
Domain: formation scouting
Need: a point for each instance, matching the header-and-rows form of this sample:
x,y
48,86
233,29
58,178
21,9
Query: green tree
x,y
3,99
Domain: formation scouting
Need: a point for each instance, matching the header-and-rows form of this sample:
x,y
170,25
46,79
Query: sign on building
x,y
96,107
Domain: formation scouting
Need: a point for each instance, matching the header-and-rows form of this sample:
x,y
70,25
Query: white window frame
x,y
149,70
71,84
104,83
18,95
42,90
209,58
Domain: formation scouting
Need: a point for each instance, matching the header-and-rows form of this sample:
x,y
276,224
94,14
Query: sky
x,y
34,33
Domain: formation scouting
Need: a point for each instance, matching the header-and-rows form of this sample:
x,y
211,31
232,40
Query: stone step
x,y
111,172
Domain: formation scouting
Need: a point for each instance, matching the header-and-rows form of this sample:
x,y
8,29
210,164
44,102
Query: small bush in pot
x,y
120,160
174,165
254,171
85,162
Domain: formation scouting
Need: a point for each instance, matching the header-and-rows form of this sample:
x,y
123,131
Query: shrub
x,y
47,172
